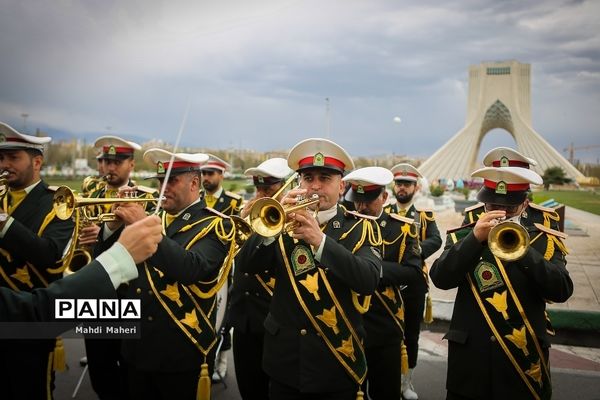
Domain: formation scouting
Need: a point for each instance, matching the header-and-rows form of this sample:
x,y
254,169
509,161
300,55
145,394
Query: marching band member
x,y
497,341
314,330
415,296
251,294
401,265
177,286
228,203
533,213
105,364
32,242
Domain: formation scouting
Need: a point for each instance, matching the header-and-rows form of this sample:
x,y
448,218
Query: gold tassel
x,y
203,392
360,395
428,318
404,360
59,362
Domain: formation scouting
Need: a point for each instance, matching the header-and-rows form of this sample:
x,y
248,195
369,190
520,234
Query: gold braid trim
x,y
550,216
424,219
549,248
374,237
217,224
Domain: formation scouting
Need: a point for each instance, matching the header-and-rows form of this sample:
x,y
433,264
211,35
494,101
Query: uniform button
x,y
246,274
492,338
246,293
150,293
303,332
150,318
138,291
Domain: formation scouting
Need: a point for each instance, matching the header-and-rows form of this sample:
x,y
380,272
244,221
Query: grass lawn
x,y
583,200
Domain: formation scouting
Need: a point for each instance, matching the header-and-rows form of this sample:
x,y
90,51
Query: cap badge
x,y
501,187
360,189
504,161
404,172
261,179
319,160
160,168
2,138
112,151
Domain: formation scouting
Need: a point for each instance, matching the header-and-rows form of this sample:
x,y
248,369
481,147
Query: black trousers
x,y
280,391
384,371
414,306
253,382
159,385
26,369
105,365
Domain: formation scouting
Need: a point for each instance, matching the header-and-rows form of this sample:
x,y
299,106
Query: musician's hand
x,y
88,235
247,207
141,238
307,228
129,212
487,222
291,197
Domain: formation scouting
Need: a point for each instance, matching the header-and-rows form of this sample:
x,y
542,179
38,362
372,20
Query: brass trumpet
x,y
65,202
508,241
268,216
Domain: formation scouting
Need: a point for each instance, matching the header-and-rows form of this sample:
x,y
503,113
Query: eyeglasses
x,y
508,209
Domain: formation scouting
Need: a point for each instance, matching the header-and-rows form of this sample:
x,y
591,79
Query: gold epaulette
x,y
359,215
543,209
400,218
551,231
458,228
474,207
220,214
233,195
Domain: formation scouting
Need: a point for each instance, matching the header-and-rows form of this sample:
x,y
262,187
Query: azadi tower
x,y
499,97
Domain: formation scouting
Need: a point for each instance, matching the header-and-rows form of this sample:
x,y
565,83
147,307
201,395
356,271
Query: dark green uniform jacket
x,y
164,346
294,354
478,368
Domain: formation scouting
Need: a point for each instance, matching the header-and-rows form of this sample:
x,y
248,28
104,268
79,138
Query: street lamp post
x,y
24,115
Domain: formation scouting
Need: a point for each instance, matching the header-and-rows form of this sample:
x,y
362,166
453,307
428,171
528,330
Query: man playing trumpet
x,y
314,329
497,342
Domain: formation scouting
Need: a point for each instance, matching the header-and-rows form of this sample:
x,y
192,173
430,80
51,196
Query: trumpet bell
x,y
267,217
243,230
508,241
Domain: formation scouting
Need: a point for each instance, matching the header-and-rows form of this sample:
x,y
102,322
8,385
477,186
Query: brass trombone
x,y
508,241
65,202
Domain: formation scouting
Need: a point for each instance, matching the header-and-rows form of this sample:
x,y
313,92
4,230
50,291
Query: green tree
x,y
554,176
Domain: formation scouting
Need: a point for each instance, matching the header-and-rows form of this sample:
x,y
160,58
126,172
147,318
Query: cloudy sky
x,y
257,73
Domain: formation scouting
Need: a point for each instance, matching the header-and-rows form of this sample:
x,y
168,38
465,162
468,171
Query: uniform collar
x,y
324,216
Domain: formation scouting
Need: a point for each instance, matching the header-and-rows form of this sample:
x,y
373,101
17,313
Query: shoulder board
x,y
146,189
52,188
234,195
217,213
551,231
460,227
425,210
474,207
401,218
359,215
542,208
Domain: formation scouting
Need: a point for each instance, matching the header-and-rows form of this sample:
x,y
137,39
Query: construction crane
x,y
571,149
